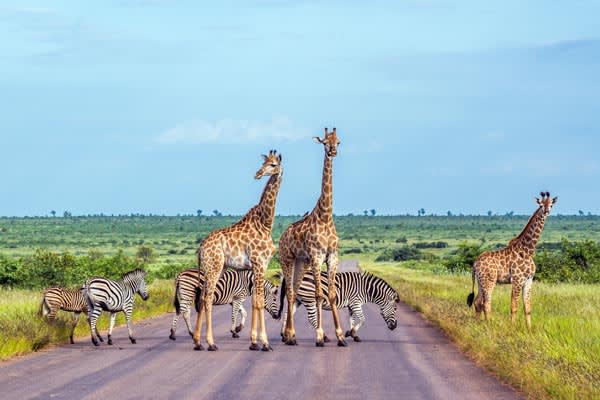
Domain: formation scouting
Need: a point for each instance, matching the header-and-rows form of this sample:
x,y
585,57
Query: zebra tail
x,y
44,309
281,297
471,295
176,300
197,299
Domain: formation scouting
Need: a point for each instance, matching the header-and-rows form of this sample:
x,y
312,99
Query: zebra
x,y
114,296
71,300
233,288
353,290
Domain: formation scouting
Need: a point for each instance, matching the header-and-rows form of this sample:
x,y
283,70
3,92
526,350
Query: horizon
x,y
163,107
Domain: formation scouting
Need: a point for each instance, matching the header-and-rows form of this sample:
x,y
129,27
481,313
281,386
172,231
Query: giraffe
x,y
309,242
246,244
513,264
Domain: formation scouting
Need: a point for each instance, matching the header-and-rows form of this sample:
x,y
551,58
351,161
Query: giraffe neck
x,y
529,237
324,207
265,210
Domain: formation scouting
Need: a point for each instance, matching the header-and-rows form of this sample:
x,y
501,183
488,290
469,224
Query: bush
x,y
463,257
353,250
573,262
431,245
403,253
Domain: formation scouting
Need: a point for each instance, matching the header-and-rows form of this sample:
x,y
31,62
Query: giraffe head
x,y
330,141
271,165
546,202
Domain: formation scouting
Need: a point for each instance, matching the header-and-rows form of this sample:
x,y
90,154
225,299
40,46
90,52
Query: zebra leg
x,y
75,321
129,325
243,314
174,326
332,265
111,325
93,319
358,315
186,311
351,320
235,308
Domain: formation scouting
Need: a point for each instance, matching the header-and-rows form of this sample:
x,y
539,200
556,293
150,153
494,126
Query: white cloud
x,y
231,131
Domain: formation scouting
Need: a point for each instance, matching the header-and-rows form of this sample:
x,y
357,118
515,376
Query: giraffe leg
x,y
258,307
514,299
487,301
293,279
199,319
316,271
208,302
332,264
527,300
111,325
75,320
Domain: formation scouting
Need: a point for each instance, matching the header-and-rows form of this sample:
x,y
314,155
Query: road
x,y
415,361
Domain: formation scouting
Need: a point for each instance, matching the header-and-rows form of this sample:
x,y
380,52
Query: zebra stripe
x,y
353,289
114,296
70,300
234,287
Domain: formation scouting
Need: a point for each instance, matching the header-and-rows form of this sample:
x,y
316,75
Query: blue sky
x,y
165,106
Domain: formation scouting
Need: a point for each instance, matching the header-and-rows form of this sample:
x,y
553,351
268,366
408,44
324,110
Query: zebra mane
x,y
136,272
369,276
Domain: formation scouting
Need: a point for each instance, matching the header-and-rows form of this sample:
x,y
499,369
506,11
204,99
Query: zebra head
x,y
271,300
382,294
136,280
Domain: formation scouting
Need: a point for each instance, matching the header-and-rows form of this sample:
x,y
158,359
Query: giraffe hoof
x,y
95,342
291,342
133,341
320,343
212,347
357,339
348,334
342,343
198,347
325,339
100,338
254,346
239,328
235,335
267,347
172,336
110,341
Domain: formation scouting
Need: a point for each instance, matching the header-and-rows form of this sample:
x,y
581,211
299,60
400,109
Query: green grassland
x,y
558,358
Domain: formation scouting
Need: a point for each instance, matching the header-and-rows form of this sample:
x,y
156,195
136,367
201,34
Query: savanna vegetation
x,y
427,258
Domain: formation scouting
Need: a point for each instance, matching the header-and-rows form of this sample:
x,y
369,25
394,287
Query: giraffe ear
x,y
537,200
554,200
317,139
265,158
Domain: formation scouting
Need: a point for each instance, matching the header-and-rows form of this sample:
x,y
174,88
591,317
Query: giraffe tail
x,y
281,297
471,295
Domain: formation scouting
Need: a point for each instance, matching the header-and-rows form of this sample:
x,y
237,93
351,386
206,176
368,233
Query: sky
x,y
164,107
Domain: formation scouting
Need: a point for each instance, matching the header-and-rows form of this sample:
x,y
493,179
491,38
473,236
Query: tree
x,y
217,213
67,214
366,213
199,212
421,211
373,212
489,213
146,254
581,213
53,212
449,213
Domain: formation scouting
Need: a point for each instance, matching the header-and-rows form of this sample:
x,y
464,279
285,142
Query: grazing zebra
x,y
71,300
232,288
114,296
353,290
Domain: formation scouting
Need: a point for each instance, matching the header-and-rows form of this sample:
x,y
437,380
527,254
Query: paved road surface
x,y
415,361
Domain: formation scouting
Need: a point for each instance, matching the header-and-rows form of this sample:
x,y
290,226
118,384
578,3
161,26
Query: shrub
x,y
431,245
403,253
463,257
573,262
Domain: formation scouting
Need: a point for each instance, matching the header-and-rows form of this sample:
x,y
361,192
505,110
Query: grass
x,y
558,358
24,330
